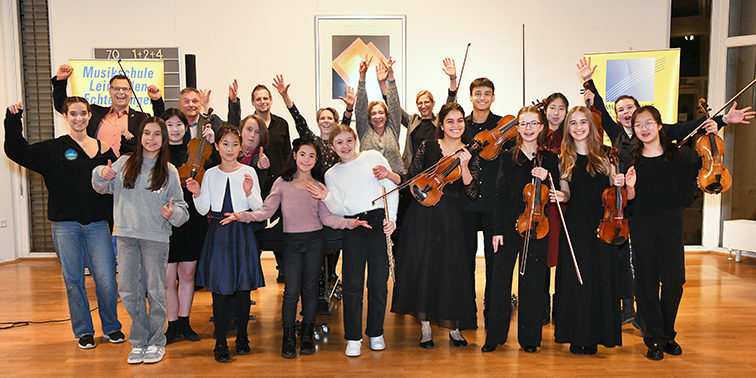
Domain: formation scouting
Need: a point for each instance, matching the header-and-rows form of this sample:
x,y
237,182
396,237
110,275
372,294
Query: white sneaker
x,y
377,343
354,348
136,356
153,354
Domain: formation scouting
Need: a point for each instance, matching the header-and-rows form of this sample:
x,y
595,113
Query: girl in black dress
x,y
588,313
517,169
660,183
432,276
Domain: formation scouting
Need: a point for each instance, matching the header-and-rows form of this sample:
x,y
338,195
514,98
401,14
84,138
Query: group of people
x,y
116,173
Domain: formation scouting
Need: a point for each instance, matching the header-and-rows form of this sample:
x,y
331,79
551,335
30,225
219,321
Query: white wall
x,y
255,40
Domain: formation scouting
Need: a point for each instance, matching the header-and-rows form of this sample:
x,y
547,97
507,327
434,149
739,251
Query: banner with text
x,y
91,78
652,77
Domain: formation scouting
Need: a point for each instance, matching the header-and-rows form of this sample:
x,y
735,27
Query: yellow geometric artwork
x,y
347,64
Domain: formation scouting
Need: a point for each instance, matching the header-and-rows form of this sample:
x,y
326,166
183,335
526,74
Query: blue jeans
x,y
77,244
143,263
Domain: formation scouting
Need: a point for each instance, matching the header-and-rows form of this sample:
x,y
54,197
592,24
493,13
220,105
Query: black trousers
x,y
627,290
658,256
364,246
302,255
220,315
472,222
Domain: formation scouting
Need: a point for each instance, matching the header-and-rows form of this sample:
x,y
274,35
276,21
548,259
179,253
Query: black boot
x,y
172,333
546,308
289,346
306,343
186,330
628,311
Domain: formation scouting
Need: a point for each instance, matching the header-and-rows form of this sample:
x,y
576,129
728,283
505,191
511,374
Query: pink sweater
x,y
300,212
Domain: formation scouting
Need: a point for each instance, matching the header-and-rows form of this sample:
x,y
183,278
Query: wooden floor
x,y
716,326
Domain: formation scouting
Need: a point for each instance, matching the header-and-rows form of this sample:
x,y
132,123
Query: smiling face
x,y
646,128
345,145
120,93
529,126
453,125
190,105
250,134
261,100
305,158
152,140
229,147
425,106
555,113
378,116
579,126
326,121
176,130
78,117
482,98
625,109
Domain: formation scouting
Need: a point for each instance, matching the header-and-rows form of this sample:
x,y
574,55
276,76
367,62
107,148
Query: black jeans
x,y
361,246
302,256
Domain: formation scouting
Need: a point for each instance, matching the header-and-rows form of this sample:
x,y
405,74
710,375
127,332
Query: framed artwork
x,y
342,42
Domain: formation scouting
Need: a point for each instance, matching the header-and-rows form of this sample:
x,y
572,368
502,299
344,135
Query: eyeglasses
x,y
532,124
121,89
646,125
421,103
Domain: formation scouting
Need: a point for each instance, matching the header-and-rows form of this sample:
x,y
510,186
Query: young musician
x,y
517,169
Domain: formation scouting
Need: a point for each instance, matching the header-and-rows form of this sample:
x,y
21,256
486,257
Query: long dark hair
x,y
318,170
445,110
175,112
133,166
670,150
553,97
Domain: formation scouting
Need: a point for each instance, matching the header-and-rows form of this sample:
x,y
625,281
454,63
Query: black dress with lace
x,y
432,276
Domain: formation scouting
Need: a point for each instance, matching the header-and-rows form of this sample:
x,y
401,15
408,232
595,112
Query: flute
x,y
389,242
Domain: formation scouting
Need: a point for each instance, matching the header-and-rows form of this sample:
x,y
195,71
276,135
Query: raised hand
x,y
449,68
318,190
233,91
64,72
356,222
14,108
584,67
280,85
263,162
167,210
193,186
108,173
205,98
349,98
248,184
154,92
738,116
364,66
381,71
389,64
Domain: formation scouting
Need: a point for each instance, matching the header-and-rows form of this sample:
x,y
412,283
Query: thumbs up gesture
x,y
263,162
167,210
109,173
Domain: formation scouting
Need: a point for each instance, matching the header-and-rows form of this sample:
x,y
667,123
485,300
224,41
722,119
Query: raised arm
x,y
450,69
60,82
349,100
361,104
234,105
394,106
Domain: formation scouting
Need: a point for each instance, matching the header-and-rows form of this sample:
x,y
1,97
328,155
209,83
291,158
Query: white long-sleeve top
x,y
352,186
213,190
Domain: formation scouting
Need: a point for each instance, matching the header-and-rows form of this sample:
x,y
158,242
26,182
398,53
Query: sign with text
x,y
91,80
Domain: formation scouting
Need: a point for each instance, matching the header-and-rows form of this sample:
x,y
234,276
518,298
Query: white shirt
x,y
352,186
213,190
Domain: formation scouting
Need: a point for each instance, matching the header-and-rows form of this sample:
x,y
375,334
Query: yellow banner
x,y
91,78
652,77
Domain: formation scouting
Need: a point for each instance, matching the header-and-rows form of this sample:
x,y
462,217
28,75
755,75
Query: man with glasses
x,y
110,124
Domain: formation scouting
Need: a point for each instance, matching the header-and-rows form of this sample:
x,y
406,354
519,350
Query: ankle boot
x,y
546,308
186,330
628,312
289,346
172,333
306,344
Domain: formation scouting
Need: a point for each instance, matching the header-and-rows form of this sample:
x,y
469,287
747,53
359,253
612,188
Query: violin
x,y
713,177
613,228
492,140
532,223
428,186
198,150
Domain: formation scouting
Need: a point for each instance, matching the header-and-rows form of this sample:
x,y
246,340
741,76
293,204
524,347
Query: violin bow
x,y
389,242
526,243
459,79
566,233
712,115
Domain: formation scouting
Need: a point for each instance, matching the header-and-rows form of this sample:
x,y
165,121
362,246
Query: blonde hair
x,y
338,129
597,158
